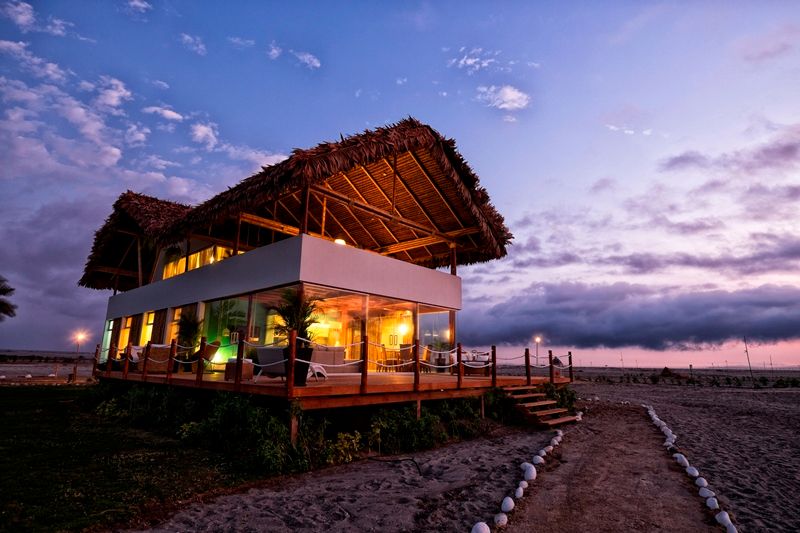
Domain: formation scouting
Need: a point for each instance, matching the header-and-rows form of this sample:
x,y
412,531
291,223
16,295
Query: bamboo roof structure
x,y
401,190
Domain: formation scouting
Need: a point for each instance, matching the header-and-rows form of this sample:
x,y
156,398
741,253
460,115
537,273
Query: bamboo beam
x,y
270,224
424,241
435,187
139,257
116,271
363,227
411,193
361,196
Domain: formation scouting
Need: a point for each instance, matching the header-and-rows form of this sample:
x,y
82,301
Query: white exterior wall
x,y
302,258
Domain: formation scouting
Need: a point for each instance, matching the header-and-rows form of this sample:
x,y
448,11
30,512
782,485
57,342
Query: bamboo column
x,y
571,375
416,365
144,361
364,363
125,365
494,366
201,363
552,369
290,363
528,366
459,366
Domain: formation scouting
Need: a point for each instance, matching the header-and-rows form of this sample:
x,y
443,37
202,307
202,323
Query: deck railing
x,y
455,363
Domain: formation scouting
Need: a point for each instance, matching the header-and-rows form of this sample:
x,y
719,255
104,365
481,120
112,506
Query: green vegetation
x,y
105,456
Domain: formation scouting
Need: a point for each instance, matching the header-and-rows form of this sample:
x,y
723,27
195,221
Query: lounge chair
x,y
158,360
207,355
269,355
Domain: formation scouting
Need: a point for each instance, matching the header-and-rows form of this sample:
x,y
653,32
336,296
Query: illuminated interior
x,y
147,328
206,256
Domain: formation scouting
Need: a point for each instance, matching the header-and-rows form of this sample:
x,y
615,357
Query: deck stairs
x,y
531,401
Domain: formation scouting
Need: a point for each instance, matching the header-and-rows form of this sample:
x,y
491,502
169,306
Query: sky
x,y
645,155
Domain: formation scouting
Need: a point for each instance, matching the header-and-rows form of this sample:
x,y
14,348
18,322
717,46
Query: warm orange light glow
x,y
402,329
80,336
340,241
537,340
447,334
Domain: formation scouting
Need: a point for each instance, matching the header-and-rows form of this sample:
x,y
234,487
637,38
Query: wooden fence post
x,y
571,375
552,369
459,366
364,364
144,360
173,349
416,365
239,363
96,357
528,366
290,368
201,363
494,366
128,355
109,364
75,370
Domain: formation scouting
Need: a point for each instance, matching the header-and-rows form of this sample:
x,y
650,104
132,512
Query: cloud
x,y
506,97
34,64
193,43
163,112
622,314
139,6
401,81
239,42
205,134
509,118
474,60
259,158
686,160
636,24
160,84
274,51
772,45
136,134
307,59
602,185
23,15
112,94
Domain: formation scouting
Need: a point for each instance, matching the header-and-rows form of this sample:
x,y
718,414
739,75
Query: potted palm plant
x,y
188,333
297,313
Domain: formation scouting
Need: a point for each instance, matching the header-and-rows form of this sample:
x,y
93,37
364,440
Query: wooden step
x,y
558,421
520,388
548,412
529,395
537,404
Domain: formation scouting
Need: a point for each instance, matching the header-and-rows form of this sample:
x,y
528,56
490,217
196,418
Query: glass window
x,y
226,321
125,333
201,258
147,328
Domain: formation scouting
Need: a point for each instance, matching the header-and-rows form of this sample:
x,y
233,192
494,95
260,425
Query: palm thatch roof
x,y
424,198
128,235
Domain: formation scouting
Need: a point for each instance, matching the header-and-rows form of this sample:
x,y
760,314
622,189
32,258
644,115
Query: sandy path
x,y
746,442
454,487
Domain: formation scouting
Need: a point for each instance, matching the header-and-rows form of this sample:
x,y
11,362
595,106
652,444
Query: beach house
x,y
373,227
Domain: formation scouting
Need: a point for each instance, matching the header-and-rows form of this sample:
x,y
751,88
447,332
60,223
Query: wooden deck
x,y
344,390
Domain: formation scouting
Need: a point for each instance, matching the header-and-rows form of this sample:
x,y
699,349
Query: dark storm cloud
x,y
623,314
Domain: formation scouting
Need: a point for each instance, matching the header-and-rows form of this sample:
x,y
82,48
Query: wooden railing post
x,y
459,366
144,360
571,375
528,366
552,369
75,370
128,355
239,364
494,366
173,349
96,358
201,363
108,361
290,363
416,365
364,364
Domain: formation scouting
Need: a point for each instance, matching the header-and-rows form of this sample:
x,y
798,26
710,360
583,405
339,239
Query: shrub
x,y
399,430
564,397
346,448
654,379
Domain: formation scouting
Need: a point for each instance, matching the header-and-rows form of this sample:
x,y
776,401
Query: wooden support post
x,y
238,234
304,212
145,358
125,364
459,367
552,369
239,362
173,349
364,363
416,365
293,428
75,370
109,359
494,366
528,366
571,374
290,364
96,358
452,329
201,363
419,409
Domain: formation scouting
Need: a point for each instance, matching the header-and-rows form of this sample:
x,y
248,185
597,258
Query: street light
x,y
79,337
537,340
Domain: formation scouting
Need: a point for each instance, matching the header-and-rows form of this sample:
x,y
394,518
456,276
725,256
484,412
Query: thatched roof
x,y
113,261
407,170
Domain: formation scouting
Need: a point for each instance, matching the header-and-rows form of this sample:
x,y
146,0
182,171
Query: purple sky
x,y
645,155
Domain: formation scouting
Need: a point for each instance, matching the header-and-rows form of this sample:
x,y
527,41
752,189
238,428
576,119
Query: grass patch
x,y
68,469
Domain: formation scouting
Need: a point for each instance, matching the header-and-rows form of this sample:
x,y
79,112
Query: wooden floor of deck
x,y
344,390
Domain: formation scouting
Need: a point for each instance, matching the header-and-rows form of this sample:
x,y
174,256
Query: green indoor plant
x,y
188,333
298,313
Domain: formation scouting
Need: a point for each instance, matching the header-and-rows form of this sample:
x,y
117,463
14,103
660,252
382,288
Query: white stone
x,y
500,520
519,493
507,505
723,518
530,474
548,449
51,375
692,471
525,465
730,528
705,492
481,527
559,432
683,462
701,482
538,460
28,376
712,503
524,484
554,442
542,452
